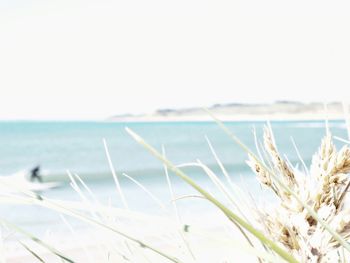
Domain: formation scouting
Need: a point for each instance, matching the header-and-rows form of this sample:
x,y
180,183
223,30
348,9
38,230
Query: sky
x,y
85,59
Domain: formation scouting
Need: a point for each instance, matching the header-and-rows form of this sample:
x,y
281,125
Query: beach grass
x,y
310,221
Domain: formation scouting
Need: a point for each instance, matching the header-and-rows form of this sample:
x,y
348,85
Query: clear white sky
x,y
85,59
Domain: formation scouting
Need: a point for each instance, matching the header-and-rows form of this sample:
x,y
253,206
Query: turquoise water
x,y
78,147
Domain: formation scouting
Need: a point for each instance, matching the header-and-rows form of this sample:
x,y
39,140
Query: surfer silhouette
x,y
34,174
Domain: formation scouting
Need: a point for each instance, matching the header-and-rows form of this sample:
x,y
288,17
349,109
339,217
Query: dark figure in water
x,y
34,174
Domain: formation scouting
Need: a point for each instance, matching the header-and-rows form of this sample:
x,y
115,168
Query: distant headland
x,y
279,110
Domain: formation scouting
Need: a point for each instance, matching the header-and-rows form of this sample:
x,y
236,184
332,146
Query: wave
x,y
234,170
340,125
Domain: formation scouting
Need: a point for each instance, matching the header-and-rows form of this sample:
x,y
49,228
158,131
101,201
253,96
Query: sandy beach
x,y
211,239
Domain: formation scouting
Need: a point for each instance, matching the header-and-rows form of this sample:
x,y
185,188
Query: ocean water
x,y
78,147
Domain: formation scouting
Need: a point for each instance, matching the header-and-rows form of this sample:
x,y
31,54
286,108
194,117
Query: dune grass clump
x,y
324,188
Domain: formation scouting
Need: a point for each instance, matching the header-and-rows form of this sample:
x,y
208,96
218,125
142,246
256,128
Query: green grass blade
x,y
232,216
36,240
31,252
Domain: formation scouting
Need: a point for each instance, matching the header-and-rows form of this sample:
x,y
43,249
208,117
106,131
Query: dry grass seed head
x,y
280,164
302,235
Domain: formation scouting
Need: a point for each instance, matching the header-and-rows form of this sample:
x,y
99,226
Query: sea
x,y
77,147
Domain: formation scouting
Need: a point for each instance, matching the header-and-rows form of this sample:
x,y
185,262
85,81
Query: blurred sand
x,y
213,240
